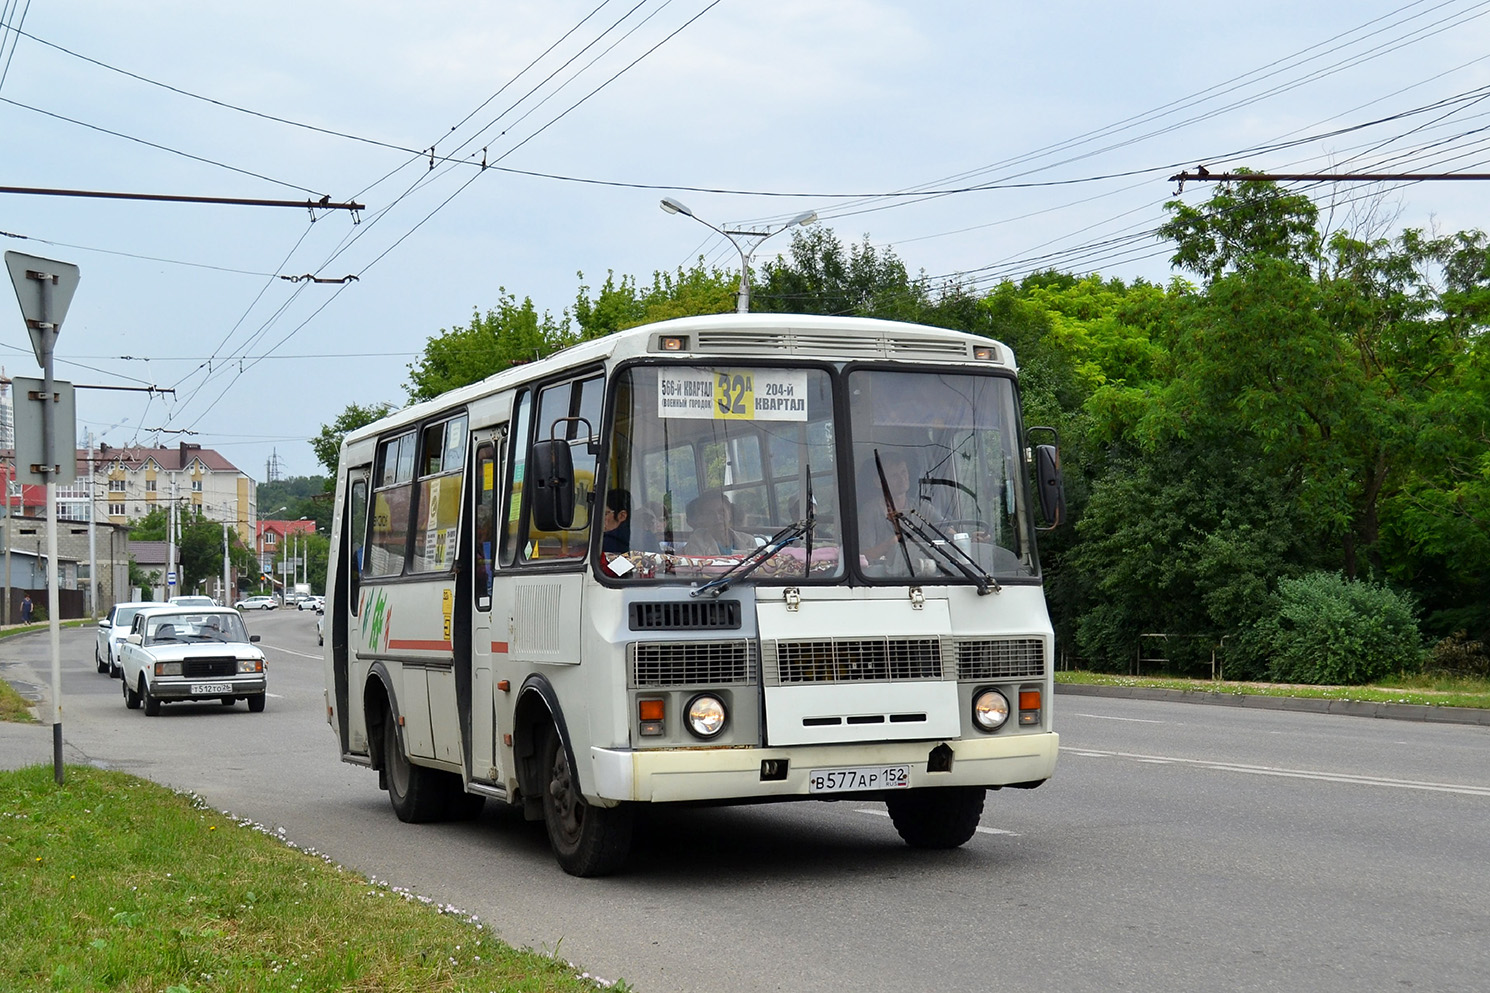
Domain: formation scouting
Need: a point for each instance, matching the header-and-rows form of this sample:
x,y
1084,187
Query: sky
x,y
979,141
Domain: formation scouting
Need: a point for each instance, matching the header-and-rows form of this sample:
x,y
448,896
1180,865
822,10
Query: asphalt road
x,y
1179,847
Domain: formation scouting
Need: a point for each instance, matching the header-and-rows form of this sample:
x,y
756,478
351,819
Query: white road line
x,y
1267,770
299,655
980,829
1109,717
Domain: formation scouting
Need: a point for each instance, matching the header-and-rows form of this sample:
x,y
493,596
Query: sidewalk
x,y
1348,708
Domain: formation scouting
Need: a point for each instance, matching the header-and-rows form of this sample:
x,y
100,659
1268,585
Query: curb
x,y
1348,708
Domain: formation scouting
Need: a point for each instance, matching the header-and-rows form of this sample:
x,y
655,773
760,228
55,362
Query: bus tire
x,y
936,817
587,840
418,794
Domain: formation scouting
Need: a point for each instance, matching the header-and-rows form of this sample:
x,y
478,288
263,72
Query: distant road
x,y
1179,848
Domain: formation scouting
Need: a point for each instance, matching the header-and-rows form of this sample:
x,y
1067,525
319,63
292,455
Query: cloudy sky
x,y
979,140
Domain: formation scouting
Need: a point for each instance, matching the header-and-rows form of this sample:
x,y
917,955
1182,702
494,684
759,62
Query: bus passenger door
x,y
486,721
342,625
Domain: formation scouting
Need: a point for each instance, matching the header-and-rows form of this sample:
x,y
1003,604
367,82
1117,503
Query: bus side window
x,y
569,411
484,535
511,520
356,535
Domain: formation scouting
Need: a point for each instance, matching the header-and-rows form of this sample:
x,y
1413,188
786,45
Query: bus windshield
x,y
937,476
712,467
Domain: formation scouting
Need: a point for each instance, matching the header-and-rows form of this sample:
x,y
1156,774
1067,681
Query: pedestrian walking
x,y
26,609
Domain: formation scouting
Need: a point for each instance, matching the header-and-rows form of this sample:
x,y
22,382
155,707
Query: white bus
x,y
730,559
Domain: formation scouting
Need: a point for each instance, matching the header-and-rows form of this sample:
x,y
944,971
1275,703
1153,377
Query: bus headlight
x,y
990,710
706,715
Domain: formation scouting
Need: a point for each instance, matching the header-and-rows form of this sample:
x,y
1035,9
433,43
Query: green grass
x,y
1430,691
111,882
14,707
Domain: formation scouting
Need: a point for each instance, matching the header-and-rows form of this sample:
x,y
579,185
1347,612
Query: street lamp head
x,y
674,207
806,217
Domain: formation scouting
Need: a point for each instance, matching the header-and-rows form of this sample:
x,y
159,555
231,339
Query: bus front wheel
x,y
417,793
587,840
937,817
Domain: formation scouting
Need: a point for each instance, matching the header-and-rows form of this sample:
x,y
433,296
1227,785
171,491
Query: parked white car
x,y
310,603
112,629
257,603
179,653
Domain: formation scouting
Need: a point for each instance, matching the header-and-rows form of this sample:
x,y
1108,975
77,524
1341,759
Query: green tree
x,y
510,333
327,444
821,276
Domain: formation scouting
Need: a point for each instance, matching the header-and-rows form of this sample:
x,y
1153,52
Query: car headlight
x,y
990,709
706,715
168,668
250,665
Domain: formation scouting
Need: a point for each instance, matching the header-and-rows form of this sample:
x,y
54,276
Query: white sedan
x,y
257,603
176,653
112,630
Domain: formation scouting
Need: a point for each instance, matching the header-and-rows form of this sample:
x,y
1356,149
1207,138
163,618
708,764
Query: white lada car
x,y
191,653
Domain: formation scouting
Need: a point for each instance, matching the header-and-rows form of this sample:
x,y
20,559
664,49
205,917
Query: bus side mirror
x,y
553,485
1050,485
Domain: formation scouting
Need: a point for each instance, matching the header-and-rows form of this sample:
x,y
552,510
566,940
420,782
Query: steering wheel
x,y
972,525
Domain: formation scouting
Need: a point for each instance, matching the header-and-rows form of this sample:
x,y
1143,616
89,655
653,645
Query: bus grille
x,y
690,663
685,616
200,668
997,659
852,660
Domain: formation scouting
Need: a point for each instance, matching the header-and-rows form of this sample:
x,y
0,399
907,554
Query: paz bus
x,y
728,559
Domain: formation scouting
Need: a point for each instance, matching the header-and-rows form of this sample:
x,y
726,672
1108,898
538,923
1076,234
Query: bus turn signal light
x,y
651,713
1029,707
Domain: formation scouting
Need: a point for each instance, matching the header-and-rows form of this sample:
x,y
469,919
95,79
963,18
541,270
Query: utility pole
x,y
92,535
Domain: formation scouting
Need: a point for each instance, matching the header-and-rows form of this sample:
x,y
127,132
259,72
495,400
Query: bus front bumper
x,y
684,774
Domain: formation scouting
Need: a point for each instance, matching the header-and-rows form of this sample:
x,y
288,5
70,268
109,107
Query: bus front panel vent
x,y
690,663
999,658
852,660
692,615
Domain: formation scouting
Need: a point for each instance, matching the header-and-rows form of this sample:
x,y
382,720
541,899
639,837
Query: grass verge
x,y
14,707
1429,691
113,882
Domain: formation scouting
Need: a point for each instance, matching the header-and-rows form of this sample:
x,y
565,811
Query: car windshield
x,y
712,468
937,476
193,628
123,615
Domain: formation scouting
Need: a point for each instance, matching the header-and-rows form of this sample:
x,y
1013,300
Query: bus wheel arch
x,y
587,840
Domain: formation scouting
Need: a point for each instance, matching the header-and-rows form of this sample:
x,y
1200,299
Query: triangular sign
x,y
27,273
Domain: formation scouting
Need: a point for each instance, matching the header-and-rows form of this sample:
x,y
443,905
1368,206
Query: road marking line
x,y
1130,720
1267,770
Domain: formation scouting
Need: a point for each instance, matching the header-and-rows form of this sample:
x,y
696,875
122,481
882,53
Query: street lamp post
x,y
742,304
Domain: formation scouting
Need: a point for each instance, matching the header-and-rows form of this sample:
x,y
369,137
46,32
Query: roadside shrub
x,y
1327,630
1457,655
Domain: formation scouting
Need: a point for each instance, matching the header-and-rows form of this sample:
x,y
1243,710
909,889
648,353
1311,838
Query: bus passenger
x,y
617,537
712,517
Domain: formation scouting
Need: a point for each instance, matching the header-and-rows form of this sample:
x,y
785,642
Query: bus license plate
x,y
205,688
865,777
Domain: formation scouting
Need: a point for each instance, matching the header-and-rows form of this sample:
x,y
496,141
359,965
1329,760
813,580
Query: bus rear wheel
x,y
937,817
587,840
417,793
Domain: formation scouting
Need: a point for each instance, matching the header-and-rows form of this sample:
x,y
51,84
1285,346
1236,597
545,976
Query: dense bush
x,y
1328,630
1457,655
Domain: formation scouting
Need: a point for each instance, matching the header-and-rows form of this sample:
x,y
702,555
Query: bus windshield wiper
x,y
755,559
949,551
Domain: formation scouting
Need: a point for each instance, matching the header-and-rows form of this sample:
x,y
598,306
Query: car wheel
x,y
131,698
150,700
587,840
114,670
99,661
255,703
